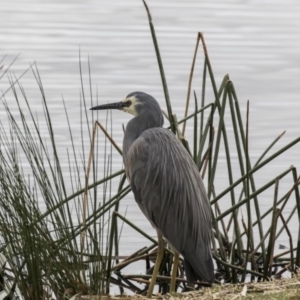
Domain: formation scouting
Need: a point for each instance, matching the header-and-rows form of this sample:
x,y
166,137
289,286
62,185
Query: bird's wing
x,y
168,188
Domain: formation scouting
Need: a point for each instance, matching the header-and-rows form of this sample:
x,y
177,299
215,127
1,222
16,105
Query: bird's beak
x,y
117,105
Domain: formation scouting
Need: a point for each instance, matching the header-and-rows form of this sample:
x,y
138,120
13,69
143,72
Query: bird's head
x,y
137,104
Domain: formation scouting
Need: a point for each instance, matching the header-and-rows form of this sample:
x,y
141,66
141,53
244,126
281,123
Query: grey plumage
x,y
167,185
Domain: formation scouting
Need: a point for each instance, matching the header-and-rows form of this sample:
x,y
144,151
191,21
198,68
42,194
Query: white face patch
x,y
132,108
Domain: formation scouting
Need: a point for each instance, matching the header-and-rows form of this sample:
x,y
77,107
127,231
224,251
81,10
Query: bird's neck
x,y
134,129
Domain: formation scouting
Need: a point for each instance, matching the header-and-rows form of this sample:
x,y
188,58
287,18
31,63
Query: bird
x,y
167,187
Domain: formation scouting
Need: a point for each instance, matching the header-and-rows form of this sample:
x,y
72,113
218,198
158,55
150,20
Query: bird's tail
x,y
192,274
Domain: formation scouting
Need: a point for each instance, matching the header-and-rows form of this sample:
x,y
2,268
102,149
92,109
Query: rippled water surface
x,y
257,44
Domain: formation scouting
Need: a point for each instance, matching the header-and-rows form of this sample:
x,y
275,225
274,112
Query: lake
x,y
257,44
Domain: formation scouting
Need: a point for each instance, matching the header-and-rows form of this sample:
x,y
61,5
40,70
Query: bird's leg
x,y
174,272
159,257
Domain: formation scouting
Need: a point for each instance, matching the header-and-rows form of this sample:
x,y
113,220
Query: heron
x,y
168,188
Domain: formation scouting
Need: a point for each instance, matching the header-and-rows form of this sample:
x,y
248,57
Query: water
x,y
257,43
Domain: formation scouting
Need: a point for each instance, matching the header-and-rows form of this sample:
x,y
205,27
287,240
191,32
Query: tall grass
x,y
61,247
71,245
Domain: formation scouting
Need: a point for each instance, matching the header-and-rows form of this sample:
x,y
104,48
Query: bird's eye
x,y
128,103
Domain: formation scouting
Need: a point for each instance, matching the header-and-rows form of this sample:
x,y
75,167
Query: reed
x,y
71,246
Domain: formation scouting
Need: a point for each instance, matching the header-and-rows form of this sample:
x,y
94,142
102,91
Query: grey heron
x,y
167,187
